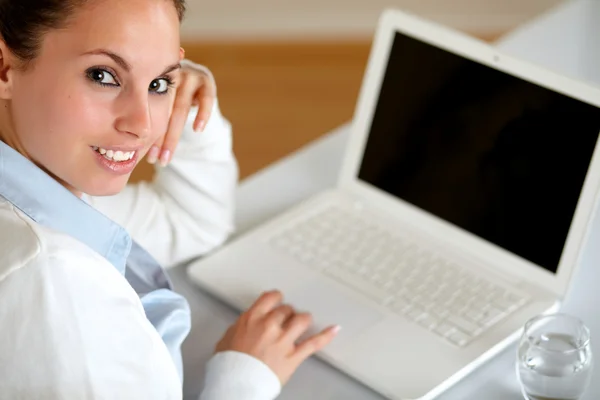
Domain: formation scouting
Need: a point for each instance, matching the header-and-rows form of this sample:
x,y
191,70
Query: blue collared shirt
x,y
49,204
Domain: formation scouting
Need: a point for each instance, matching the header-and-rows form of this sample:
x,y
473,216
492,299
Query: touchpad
x,y
331,306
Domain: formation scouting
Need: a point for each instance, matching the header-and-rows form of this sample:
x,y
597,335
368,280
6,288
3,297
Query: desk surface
x,y
315,168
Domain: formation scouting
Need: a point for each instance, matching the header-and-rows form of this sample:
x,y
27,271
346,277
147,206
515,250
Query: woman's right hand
x,y
269,331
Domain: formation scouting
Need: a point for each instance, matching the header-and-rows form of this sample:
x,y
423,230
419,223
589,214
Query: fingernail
x,y
152,156
165,157
336,329
201,126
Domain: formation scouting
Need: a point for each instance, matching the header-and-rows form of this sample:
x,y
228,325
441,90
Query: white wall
x,y
270,19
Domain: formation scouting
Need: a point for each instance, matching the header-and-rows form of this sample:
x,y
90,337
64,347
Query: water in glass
x,y
554,359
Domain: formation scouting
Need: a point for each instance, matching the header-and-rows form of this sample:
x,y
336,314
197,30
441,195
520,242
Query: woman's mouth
x,y
118,162
115,156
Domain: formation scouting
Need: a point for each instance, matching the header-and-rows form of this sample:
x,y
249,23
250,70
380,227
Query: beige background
x,y
282,19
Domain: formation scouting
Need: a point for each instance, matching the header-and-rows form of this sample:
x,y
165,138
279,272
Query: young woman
x,y
86,91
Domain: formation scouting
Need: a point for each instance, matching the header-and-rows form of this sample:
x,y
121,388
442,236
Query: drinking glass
x,y
554,358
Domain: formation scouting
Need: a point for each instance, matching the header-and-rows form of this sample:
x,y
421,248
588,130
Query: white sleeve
x,y
237,376
188,209
72,328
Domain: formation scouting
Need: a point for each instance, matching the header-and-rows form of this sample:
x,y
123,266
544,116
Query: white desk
x,y
315,167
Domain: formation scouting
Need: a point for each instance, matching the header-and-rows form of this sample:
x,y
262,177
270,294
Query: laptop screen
x,y
498,156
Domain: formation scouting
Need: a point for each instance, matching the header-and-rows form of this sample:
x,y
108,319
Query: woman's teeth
x,y
115,155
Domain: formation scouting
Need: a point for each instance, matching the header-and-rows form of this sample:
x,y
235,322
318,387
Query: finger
x,y
181,109
315,343
154,152
297,326
281,314
205,99
265,304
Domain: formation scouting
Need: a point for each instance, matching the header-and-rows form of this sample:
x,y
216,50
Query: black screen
x,y
493,154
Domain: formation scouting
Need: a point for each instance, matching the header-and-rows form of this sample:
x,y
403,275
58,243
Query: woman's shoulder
x,y
26,244
62,304
19,243
36,259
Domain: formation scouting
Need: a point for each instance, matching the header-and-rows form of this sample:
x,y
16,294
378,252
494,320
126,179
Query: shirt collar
x,y
50,204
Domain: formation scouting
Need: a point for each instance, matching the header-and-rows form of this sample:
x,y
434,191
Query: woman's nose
x,y
135,117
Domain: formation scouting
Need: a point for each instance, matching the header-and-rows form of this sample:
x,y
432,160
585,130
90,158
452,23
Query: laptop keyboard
x,y
397,273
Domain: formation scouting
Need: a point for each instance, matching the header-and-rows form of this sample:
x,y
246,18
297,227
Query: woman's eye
x,y
102,77
159,86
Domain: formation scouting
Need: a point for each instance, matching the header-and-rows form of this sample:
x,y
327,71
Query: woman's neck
x,y
7,131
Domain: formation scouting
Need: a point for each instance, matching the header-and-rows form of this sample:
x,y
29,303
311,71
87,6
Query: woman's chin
x,y
105,187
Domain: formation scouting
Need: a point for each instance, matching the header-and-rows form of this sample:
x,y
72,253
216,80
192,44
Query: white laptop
x,y
460,212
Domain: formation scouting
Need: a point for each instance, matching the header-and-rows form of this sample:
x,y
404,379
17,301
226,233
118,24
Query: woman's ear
x,y
181,53
6,71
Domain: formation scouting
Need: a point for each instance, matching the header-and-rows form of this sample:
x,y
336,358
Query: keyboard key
x,y
443,328
458,338
428,321
401,308
514,298
424,301
379,279
496,293
415,313
306,257
322,262
457,306
504,303
464,325
491,316
473,315
440,311
389,284
479,305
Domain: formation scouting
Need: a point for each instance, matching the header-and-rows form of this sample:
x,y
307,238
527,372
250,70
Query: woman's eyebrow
x,y
124,64
171,68
115,57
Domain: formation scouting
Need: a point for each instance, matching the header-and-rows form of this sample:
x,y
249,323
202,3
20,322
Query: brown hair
x,y
24,22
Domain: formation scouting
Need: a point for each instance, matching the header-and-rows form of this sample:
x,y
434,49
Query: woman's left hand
x,y
196,88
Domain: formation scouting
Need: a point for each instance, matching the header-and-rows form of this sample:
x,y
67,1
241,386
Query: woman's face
x,y
99,94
